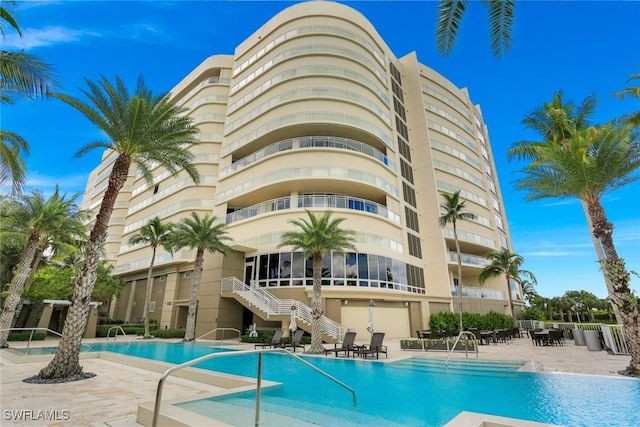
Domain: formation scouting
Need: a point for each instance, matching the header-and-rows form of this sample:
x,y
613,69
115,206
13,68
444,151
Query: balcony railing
x,y
470,292
313,201
469,259
308,142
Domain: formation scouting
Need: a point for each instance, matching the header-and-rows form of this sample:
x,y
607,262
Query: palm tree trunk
x,y
459,254
147,297
15,289
513,312
66,361
34,268
601,259
190,333
614,267
316,304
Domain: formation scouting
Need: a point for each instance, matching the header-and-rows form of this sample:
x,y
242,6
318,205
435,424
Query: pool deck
x,y
112,397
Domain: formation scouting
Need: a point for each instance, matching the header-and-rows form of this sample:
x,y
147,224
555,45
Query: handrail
x,y
466,348
37,329
115,337
156,407
221,329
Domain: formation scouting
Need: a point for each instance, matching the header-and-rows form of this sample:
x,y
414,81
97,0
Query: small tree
x,y
506,263
201,234
318,236
154,233
453,210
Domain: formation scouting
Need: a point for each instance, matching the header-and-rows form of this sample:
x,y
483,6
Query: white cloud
x,y
47,36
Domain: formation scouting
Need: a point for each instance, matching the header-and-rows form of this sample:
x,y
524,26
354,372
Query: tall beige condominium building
x,y
313,111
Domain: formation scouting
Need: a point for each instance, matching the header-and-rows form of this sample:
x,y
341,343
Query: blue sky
x,y
581,48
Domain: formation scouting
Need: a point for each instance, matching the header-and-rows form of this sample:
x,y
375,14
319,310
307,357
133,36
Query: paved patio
x,y
112,397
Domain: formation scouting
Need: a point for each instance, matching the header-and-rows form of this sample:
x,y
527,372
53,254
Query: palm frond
x,y
23,74
450,14
501,14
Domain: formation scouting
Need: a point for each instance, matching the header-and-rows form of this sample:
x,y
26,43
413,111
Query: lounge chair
x,y
347,345
276,341
375,347
295,340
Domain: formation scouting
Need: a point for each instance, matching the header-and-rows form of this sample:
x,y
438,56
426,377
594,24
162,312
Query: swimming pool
x,y
415,391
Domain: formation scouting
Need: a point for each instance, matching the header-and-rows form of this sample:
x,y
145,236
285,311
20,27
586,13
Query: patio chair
x,y
347,345
375,347
295,340
555,337
276,341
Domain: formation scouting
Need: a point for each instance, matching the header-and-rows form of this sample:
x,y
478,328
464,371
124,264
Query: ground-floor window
x,y
350,269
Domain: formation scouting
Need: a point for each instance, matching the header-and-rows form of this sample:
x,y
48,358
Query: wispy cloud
x,y
74,183
57,35
47,36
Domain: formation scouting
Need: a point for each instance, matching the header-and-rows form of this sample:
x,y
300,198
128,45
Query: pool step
x,y
278,412
458,366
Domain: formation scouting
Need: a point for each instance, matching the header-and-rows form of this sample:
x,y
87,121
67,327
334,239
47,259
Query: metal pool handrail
x,y
466,349
220,329
156,408
38,329
115,337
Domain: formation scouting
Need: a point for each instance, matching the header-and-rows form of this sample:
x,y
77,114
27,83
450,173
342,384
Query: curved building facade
x,y
314,112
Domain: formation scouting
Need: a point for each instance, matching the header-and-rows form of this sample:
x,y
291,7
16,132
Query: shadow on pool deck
x,y
112,397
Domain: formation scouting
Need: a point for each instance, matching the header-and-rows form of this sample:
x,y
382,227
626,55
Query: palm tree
x,y
317,236
154,233
34,216
597,160
555,122
21,75
528,289
143,130
506,263
201,234
453,210
451,12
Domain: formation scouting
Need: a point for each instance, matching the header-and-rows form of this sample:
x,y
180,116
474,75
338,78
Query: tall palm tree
x,y
143,129
555,122
506,263
528,289
21,75
317,236
154,233
451,12
34,216
201,234
453,210
597,160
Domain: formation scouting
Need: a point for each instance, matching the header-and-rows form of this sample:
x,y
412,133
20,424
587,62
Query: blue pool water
x,y
410,392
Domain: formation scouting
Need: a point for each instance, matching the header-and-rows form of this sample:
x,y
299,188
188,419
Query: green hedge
x,y
168,333
449,321
24,336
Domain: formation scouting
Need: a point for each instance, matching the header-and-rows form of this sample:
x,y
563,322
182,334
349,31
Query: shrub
x,y
449,321
24,336
168,333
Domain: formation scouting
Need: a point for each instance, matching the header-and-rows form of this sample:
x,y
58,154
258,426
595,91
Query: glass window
x,y
263,267
363,267
373,267
326,265
285,265
297,268
274,266
337,262
352,269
